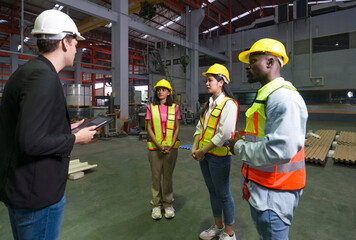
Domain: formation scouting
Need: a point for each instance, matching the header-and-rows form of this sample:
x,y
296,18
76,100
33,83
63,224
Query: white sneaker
x,y
225,236
156,213
169,212
211,233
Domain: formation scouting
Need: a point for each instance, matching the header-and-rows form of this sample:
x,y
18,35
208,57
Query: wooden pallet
x,y
316,149
347,138
345,151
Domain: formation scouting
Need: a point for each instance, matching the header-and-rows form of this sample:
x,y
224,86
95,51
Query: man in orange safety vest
x,y
273,149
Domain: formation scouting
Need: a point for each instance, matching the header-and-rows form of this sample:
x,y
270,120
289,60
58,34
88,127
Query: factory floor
x,y
112,200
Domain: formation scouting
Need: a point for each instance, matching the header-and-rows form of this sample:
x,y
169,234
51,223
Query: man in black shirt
x,y
35,132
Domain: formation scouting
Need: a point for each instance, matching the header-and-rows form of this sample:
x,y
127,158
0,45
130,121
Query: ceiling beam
x,y
107,14
91,9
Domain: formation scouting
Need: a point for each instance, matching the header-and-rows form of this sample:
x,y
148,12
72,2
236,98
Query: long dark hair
x,y
225,88
156,101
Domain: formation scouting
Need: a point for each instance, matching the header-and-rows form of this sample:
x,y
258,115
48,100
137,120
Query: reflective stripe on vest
x,y
288,176
207,134
170,126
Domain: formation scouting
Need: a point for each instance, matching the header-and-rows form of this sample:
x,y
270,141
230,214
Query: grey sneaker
x,y
211,233
156,213
169,212
225,236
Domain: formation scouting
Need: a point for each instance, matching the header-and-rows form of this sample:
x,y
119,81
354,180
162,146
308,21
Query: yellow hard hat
x,y
218,69
266,45
163,83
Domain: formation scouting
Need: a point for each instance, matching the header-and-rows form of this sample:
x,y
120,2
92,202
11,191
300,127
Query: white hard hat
x,y
54,24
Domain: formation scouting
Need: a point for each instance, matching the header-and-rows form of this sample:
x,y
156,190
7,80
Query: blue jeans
x,y
216,173
269,225
37,224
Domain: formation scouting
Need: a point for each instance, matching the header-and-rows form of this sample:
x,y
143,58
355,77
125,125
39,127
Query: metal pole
x,y
22,16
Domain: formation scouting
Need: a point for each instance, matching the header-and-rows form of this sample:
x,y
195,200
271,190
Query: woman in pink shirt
x,y
163,128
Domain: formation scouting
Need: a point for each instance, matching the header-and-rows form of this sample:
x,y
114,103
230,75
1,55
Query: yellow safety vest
x,y
255,115
166,139
209,132
288,176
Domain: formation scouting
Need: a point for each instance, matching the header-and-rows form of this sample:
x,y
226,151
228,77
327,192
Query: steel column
x,y
14,43
77,66
194,19
120,56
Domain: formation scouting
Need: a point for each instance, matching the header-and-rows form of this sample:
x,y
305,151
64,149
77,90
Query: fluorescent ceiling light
x,y
259,8
58,7
170,22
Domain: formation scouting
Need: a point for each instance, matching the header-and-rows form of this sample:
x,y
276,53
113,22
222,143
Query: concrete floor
x,y
112,201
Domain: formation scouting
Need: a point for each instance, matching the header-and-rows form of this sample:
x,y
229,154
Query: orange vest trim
x,y
288,176
255,123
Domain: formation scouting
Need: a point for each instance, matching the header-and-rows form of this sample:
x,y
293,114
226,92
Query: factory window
x,y
168,62
343,97
176,61
329,97
315,97
331,43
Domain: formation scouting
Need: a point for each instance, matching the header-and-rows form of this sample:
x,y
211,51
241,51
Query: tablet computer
x,y
99,121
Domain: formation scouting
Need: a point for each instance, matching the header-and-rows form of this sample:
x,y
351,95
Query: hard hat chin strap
x,y
224,78
280,61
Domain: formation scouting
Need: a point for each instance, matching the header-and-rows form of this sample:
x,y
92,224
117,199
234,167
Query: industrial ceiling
x,y
221,17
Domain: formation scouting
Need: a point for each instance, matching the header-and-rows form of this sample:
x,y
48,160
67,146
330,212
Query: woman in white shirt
x,y
217,124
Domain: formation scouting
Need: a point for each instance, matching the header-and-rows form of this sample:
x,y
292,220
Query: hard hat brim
x,y
205,74
245,56
79,37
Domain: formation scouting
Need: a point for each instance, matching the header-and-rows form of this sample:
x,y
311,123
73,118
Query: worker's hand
x,y
232,144
85,135
76,124
199,155
166,149
192,152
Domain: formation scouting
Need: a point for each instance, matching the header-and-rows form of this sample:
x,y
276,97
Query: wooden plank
x,y
316,149
345,151
75,176
77,166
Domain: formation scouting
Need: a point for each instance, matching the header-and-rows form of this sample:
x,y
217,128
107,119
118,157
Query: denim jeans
x,y
37,224
216,173
269,225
